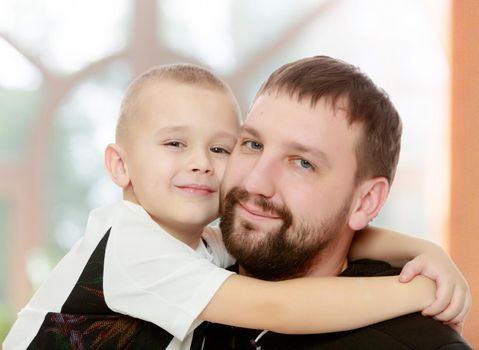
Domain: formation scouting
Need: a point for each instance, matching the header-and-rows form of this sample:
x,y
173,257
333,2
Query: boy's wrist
x,y
424,290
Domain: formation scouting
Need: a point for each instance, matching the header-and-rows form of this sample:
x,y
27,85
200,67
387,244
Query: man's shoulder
x,y
415,331
409,332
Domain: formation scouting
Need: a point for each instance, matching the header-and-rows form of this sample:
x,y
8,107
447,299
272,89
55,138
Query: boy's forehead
x,y
170,85
185,103
157,88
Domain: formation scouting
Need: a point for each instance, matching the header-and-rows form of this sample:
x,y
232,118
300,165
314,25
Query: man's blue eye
x,y
303,163
254,145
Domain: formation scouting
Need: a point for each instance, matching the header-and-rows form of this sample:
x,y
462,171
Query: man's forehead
x,y
285,108
322,129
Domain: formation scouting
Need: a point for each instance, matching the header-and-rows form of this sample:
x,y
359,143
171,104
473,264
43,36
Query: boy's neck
x,y
190,235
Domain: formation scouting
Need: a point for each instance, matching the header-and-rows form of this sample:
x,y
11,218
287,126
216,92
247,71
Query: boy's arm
x,y
418,256
315,304
390,246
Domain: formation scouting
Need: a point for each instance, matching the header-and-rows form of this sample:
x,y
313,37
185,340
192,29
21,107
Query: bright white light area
x,y
7,15
16,72
100,108
92,124
91,127
38,267
67,233
204,29
103,190
68,34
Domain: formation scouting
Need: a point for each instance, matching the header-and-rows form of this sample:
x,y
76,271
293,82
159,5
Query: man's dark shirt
x,y
412,331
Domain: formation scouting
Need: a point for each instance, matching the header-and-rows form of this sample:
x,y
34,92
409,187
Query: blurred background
x,y
64,65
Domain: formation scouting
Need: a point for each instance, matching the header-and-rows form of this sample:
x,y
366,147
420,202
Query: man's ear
x,y
116,166
372,195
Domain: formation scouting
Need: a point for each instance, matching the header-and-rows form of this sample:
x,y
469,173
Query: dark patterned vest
x,y
86,322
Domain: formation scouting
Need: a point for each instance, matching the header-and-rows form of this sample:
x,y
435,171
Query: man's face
x,y
289,185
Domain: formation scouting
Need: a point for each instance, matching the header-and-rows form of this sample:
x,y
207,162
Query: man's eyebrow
x,y
250,130
293,145
316,152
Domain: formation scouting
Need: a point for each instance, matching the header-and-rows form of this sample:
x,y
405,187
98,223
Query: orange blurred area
x,y
464,224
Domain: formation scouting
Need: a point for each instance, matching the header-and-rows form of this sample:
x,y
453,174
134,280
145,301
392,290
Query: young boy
x,y
147,269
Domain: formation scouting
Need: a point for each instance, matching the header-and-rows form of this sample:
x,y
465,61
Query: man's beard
x,y
283,253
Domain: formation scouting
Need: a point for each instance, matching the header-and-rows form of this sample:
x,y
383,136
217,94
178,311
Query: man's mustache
x,y
237,194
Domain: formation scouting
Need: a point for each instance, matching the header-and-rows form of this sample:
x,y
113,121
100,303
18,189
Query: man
x,y
313,164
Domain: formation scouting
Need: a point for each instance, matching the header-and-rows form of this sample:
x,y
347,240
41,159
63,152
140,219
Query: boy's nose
x,y
202,170
200,162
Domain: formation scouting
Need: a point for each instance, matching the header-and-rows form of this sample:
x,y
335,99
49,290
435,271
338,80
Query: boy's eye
x,y
253,145
217,149
304,164
175,144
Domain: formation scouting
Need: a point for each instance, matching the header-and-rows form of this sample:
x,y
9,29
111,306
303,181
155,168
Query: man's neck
x,y
332,260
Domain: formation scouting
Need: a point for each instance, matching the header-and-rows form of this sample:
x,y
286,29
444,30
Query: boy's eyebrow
x,y
180,128
226,134
172,129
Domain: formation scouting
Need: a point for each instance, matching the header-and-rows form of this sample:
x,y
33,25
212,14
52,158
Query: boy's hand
x,y
453,297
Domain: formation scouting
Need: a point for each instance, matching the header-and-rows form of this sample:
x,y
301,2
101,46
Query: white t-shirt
x,y
147,274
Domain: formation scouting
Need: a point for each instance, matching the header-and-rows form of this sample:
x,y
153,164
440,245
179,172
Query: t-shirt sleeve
x,y
152,276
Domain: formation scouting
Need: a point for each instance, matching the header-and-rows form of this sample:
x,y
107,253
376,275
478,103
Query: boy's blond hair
x,y
181,73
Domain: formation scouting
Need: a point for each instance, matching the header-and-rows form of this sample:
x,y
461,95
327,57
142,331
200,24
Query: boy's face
x,y
176,153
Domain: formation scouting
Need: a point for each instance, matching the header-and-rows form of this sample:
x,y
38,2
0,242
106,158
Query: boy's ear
x,y
116,166
372,195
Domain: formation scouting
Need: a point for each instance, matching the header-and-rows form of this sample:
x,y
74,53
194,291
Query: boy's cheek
x,y
220,169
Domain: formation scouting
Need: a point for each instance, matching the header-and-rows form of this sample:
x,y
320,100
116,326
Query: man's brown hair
x,y
336,81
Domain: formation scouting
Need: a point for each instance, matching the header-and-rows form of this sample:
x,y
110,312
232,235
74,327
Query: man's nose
x,y
261,179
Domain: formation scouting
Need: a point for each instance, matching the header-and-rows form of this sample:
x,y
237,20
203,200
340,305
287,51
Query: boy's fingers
x,y
459,319
443,298
454,308
409,271
405,276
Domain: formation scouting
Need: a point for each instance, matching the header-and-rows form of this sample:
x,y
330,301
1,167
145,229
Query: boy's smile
x,y
176,154
198,190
